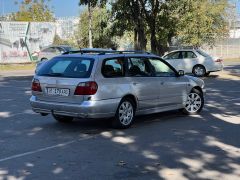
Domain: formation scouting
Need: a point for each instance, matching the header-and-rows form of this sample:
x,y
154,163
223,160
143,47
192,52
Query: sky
x,y
61,8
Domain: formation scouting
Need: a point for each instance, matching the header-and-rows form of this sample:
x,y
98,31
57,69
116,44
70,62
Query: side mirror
x,y
181,73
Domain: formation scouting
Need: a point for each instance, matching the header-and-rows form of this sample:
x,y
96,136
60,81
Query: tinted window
x,y
113,67
69,67
174,55
138,67
188,55
161,69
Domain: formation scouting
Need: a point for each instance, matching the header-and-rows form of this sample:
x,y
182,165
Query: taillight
x,y
219,60
86,88
36,85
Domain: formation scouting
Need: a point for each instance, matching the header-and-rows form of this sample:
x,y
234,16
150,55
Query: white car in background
x,y
49,52
194,61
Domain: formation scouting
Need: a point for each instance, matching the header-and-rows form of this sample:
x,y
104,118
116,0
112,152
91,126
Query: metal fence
x,y
227,48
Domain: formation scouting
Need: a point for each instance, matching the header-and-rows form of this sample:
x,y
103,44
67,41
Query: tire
x,y
207,73
63,119
125,114
199,71
44,59
195,103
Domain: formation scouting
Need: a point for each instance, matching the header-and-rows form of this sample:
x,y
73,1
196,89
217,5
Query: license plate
x,y
58,92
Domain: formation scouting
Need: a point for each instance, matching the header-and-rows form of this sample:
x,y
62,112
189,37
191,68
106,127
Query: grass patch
x,y
231,59
16,67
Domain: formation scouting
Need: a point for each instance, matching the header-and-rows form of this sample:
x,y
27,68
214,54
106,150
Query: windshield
x,y
69,67
202,53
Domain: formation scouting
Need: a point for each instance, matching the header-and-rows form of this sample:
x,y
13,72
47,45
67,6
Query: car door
x,y
172,89
174,59
189,61
144,86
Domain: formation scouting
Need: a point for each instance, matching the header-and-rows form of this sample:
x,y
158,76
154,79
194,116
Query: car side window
x,y
189,55
161,69
113,68
138,66
174,55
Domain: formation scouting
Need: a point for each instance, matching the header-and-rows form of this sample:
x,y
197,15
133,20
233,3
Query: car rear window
x,y
202,53
68,67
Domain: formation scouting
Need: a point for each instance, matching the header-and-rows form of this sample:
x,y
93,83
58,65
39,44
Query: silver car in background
x,y
194,61
117,85
52,51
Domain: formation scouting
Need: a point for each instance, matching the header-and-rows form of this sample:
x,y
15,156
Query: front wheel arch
x,y
197,88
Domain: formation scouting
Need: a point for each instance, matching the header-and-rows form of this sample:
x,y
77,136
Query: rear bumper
x,y
216,67
87,109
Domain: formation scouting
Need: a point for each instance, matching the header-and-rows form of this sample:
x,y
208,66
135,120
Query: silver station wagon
x,y
117,85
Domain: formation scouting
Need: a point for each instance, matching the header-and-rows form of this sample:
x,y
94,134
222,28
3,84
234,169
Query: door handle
x,y
135,83
162,83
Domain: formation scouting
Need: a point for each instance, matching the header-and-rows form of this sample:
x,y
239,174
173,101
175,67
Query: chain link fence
x,y
228,48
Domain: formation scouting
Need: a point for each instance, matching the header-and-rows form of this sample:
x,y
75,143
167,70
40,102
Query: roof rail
x,y
103,52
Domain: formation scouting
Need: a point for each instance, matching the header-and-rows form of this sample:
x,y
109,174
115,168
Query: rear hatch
x,y
60,77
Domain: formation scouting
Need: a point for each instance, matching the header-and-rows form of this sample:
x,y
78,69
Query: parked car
x,y
52,51
194,61
113,84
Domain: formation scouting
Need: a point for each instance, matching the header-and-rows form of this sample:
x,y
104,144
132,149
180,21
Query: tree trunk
x,y
136,46
142,40
153,38
90,25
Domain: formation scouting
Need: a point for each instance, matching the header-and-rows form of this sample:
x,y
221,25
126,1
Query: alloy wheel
x,y
126,113
194,103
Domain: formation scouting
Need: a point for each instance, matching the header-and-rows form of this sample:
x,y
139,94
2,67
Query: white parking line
x,y
44,149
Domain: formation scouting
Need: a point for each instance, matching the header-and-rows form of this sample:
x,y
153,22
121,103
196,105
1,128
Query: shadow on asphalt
x,y
166,145
233,69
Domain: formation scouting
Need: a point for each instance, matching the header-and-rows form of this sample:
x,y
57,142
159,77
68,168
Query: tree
x,y
90,4
193,22
101,29
70,41
127,16
202,22
33,10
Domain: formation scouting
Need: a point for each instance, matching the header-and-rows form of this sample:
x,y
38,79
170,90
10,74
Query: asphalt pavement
x,y
167,145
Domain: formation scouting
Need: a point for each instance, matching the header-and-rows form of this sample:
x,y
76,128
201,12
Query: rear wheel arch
x,y
131,97
125,113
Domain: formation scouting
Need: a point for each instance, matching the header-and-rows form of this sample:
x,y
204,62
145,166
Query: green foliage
x,y
101,27
33,10
192,22
70,41
128,16
202,22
